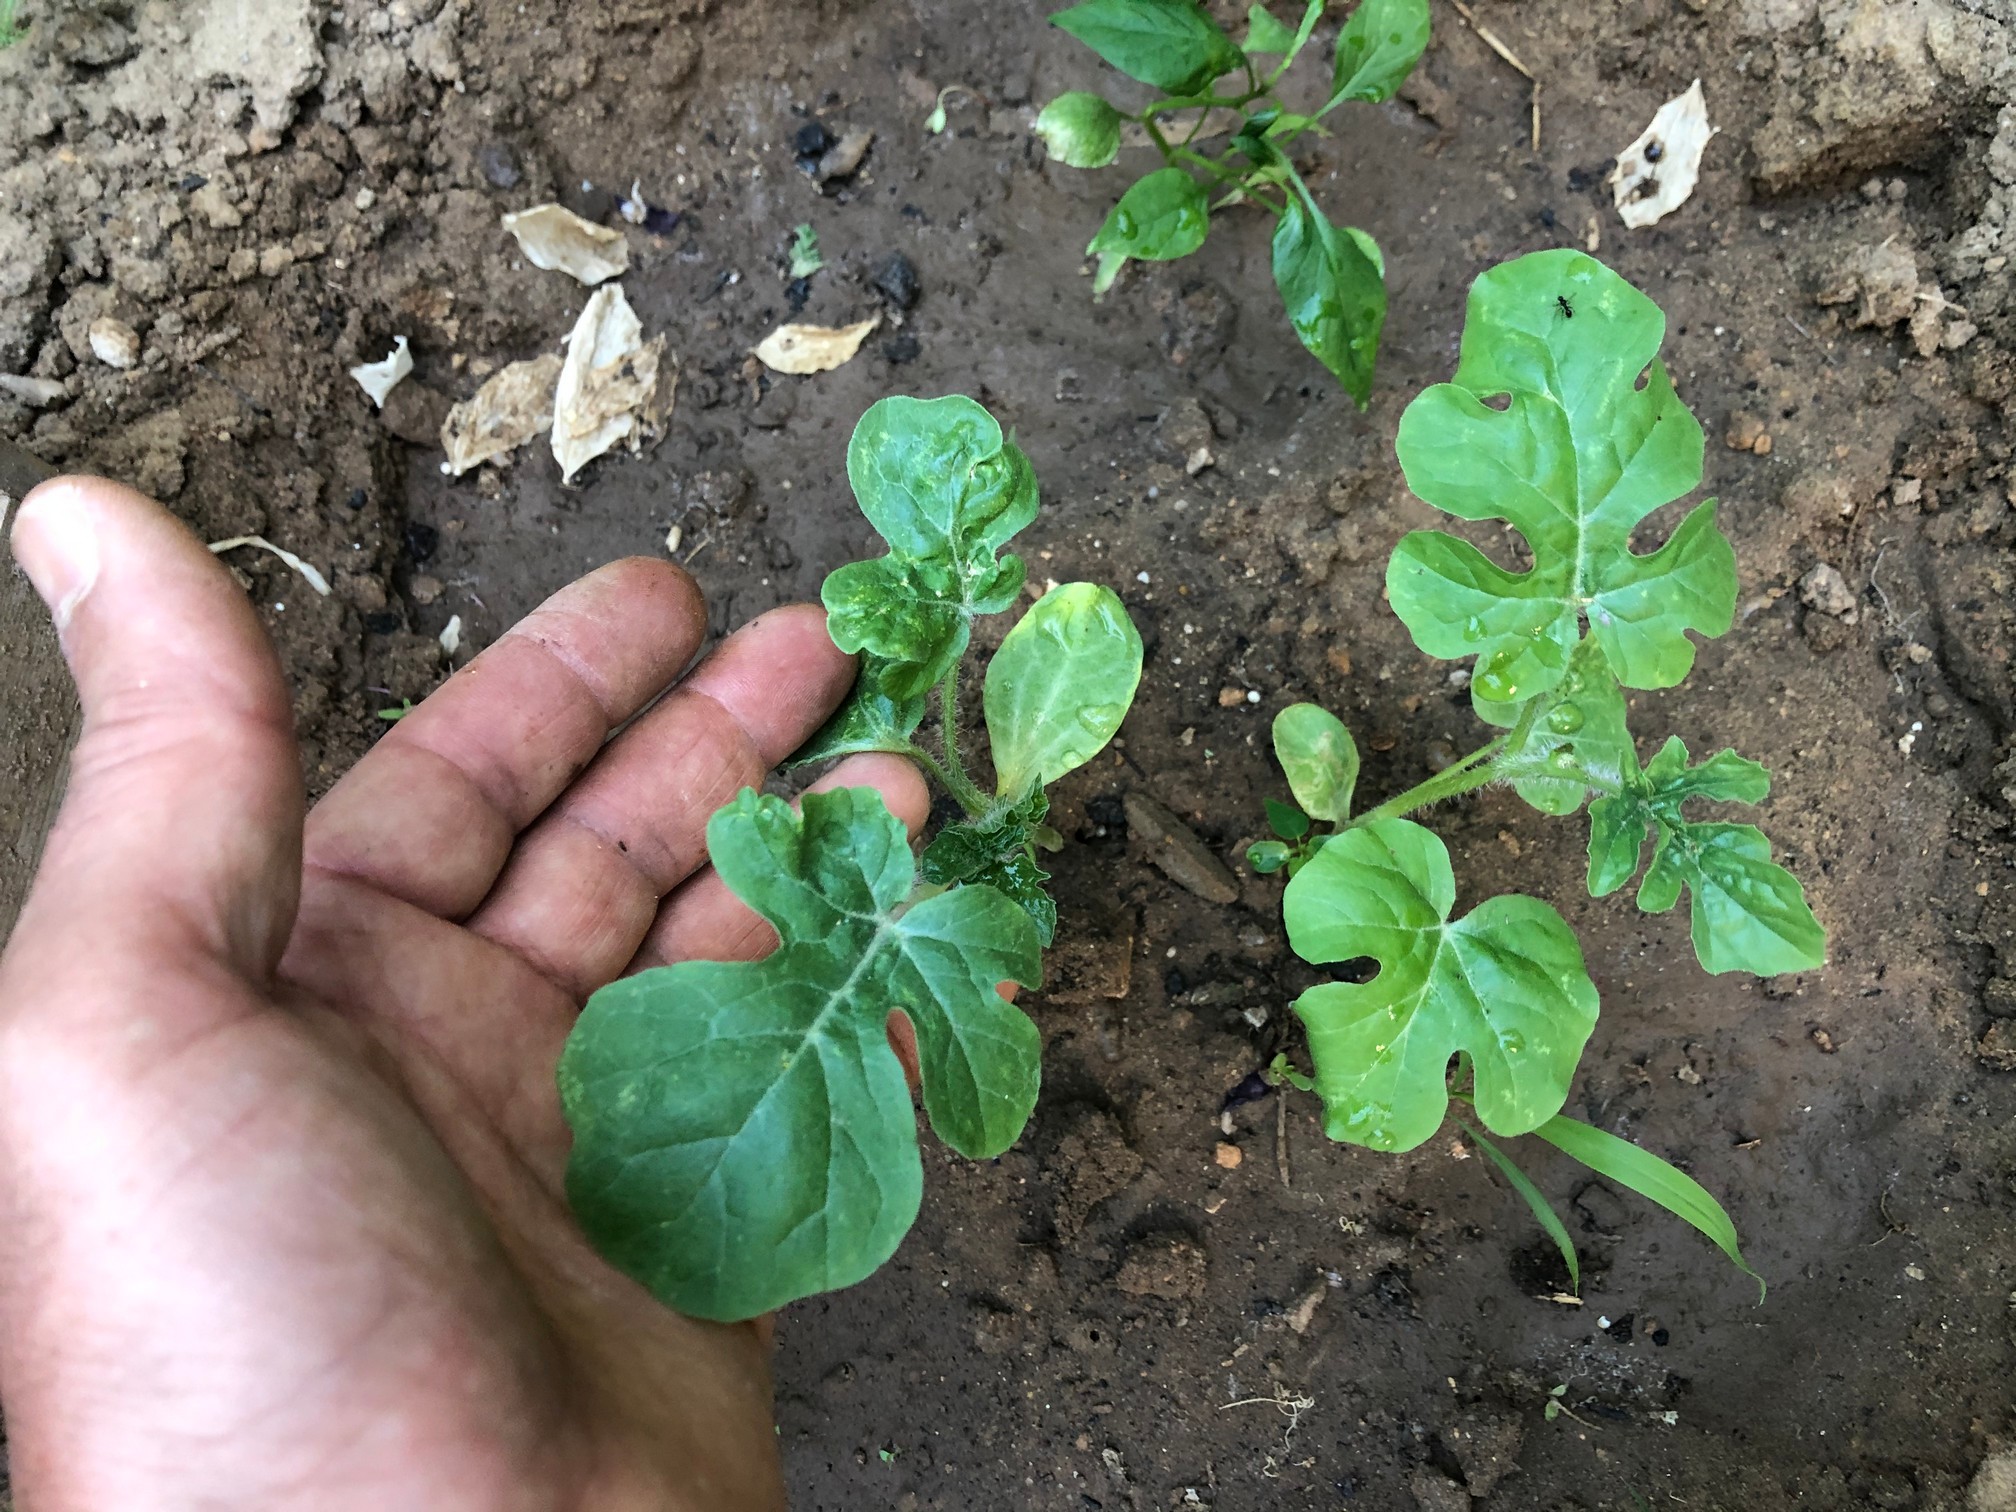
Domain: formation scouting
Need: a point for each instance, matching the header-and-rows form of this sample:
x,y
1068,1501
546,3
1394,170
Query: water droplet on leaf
x,y
1565,719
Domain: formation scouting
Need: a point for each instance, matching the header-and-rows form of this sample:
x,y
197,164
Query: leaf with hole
x,y
1580,454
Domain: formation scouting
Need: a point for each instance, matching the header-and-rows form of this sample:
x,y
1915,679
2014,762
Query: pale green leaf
x,y
1378,48
1576,459
1320,758
1581,728
1080,130
743,1134
1265,35
1506,983
871,719
1060,685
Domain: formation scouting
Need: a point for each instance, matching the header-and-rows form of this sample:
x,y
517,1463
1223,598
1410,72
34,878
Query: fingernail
x,y
56,544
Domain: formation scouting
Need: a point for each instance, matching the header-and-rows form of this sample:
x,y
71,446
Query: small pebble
x,y
114,343
1229,1156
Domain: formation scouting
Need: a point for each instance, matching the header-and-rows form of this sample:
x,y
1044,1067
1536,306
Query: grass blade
x,y
1650,1177
1535,1200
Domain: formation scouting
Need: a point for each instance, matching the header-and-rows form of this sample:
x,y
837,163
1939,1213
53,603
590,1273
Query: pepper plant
x,y
1236,140
1548,427
743,1133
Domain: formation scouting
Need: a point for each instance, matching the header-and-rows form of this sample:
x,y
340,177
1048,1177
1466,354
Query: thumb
x,y
181,828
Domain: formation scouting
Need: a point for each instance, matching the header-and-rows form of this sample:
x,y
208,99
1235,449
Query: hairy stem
x,y
1480,768
953,772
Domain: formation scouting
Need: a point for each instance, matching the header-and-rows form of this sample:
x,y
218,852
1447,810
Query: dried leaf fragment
x,y
552,236
610,392
313,578
379,378
1655,175
803,349
515,405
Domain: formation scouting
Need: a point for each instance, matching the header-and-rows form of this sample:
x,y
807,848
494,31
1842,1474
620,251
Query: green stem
x,y
953,772
1480,768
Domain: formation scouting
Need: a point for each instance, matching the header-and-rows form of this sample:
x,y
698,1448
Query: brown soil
x,y
1109,1315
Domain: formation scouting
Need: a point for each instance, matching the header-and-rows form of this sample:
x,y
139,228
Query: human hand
x,y
281,1217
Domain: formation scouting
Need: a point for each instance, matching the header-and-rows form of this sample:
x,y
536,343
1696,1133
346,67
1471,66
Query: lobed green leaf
x,y
1333,287
1581,728
1749,914
1377,48
1171,44
1060,685
1320,758
1505,983
1650,1177
1080,130
1577,458
743,1134
946,491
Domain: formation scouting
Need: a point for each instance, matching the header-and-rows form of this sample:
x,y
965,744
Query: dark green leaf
x,y
999,852
1543,1210
1579,456
743,1135
1266,856
1505,983
1163,215
1286,820
935,477
1171,44
1650,1177
1060,685
1378,48
1749,914
870,720
1080,130
1334,292
1320,758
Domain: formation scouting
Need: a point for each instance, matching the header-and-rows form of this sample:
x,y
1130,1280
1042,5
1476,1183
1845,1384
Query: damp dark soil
x,y
1165,1297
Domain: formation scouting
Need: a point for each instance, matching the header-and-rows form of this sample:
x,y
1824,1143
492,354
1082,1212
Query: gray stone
x,y
1174,847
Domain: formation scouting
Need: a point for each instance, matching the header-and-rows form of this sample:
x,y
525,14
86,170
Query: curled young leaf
x,y
1060,685
1333,287
946,491
743,1134
1378,48
872,719
1266,856
1162,216
1320,758
1749,914
1080,130
1574,461
999,851
1581,729
1505,983
1171,44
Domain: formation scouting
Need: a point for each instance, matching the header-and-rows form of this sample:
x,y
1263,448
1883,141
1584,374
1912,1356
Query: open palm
x,y
281,1219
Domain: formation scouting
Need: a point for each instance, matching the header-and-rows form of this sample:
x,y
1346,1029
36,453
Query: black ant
x,y
1567,310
